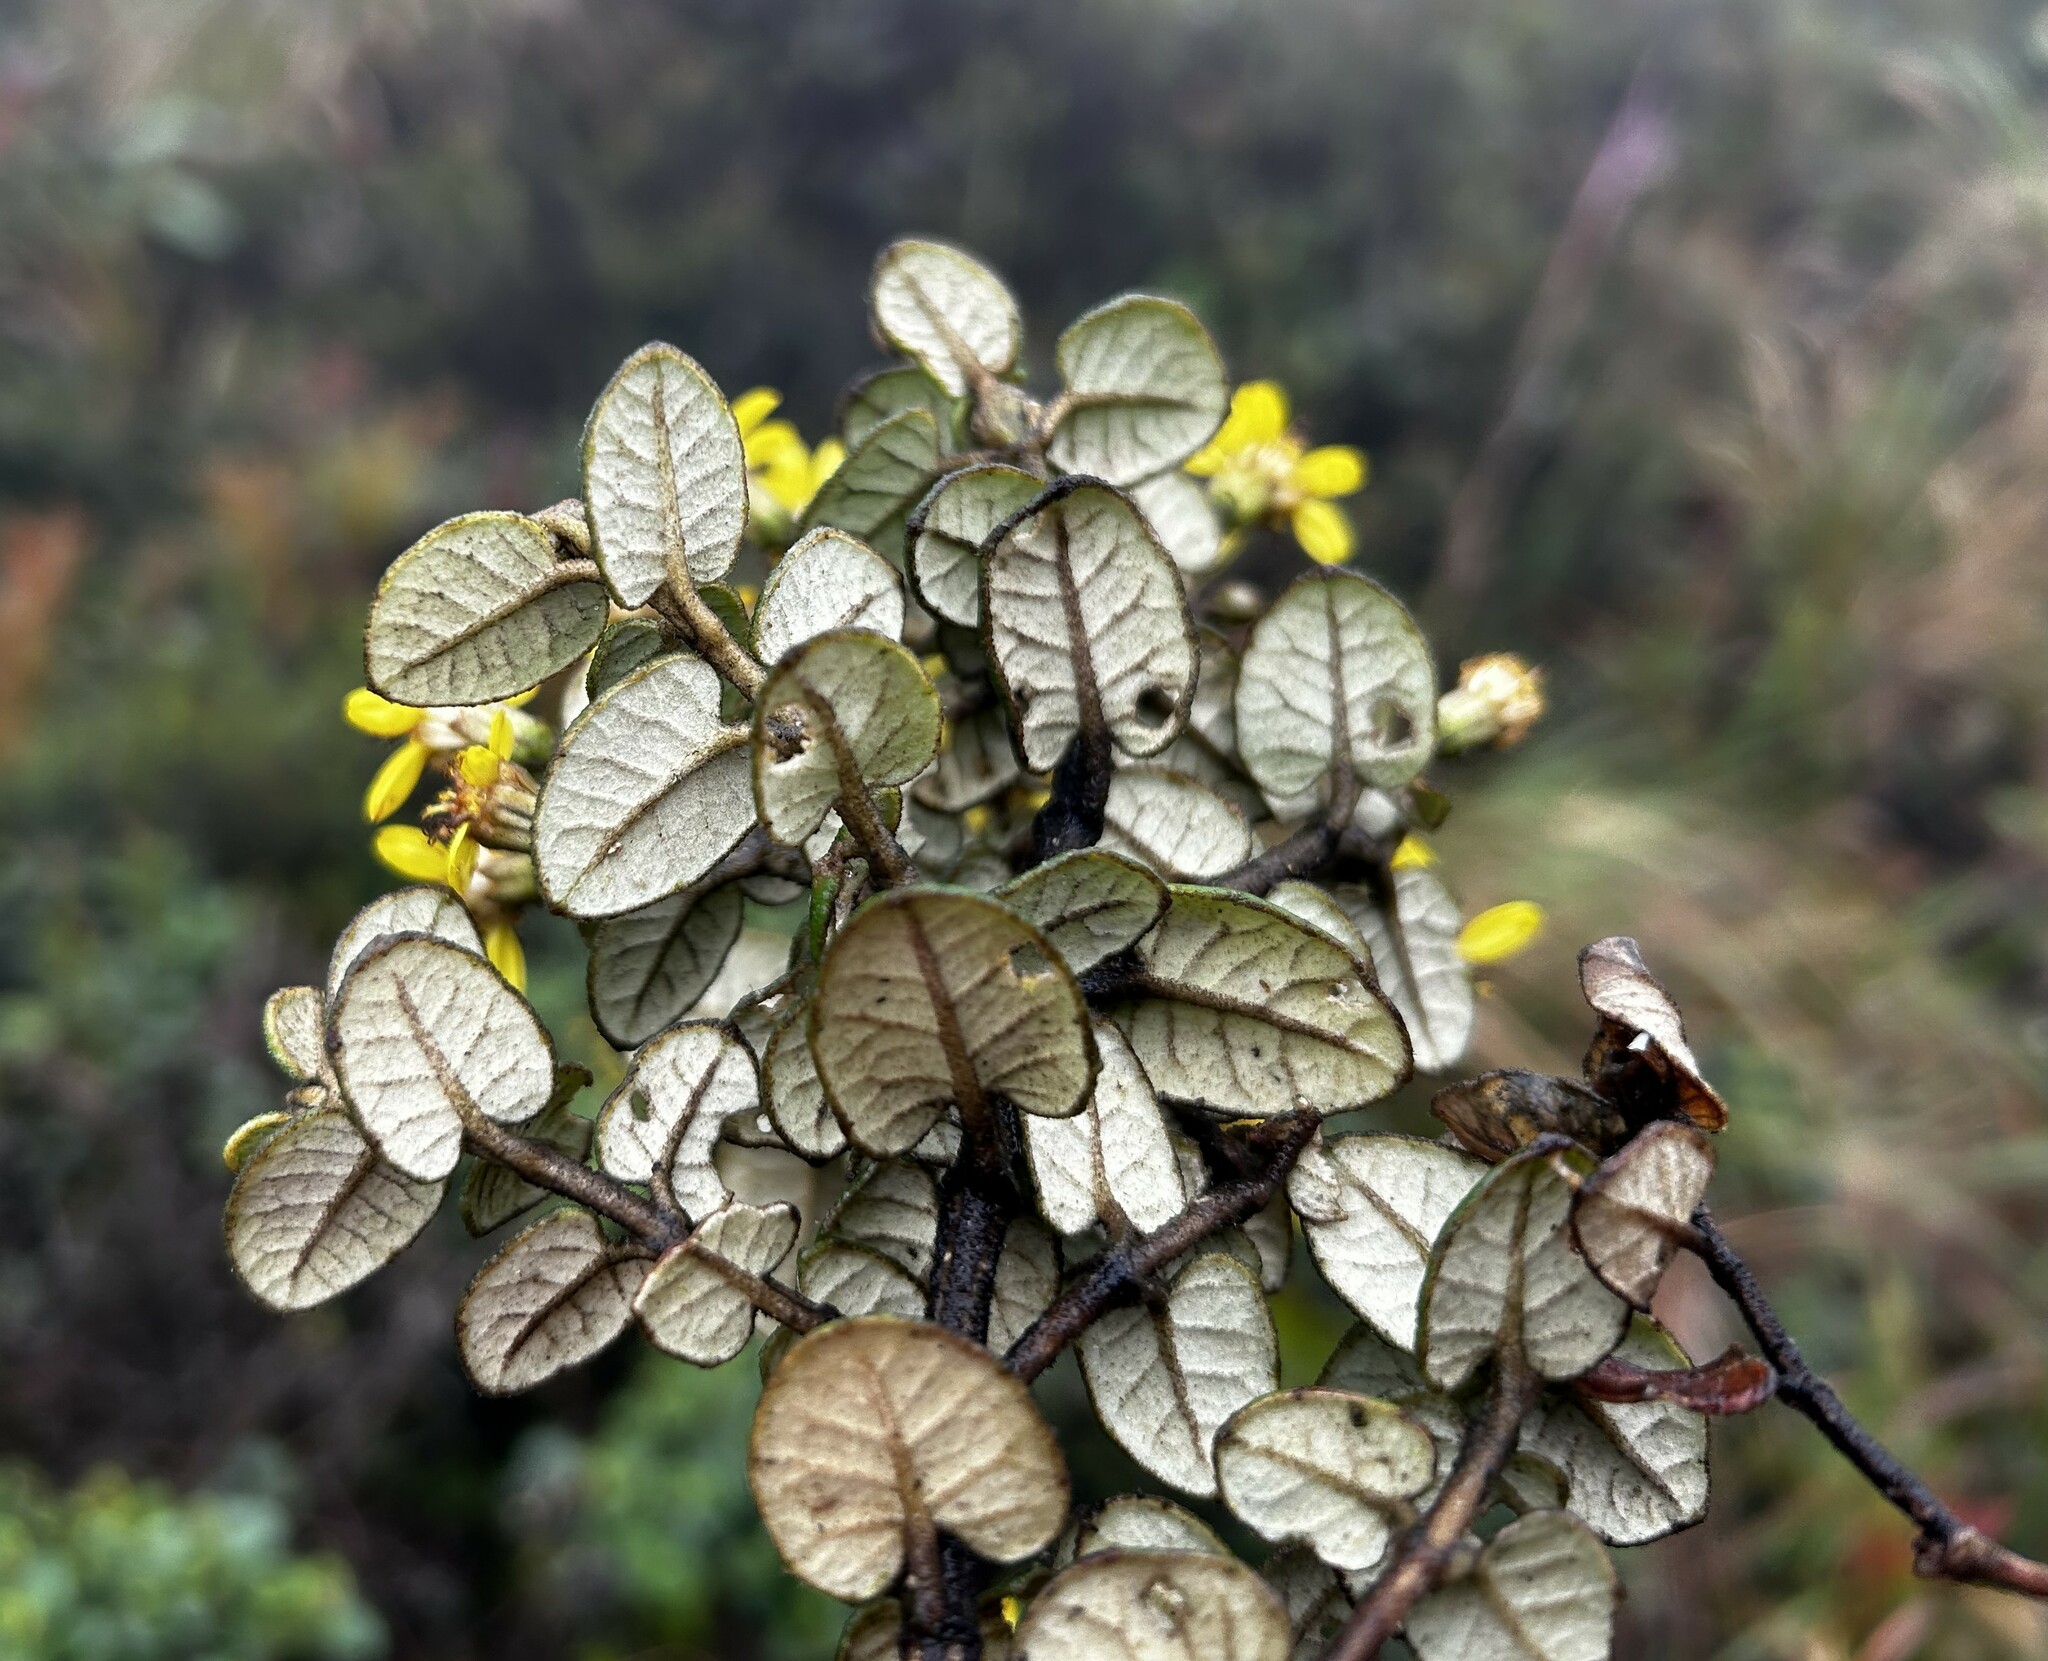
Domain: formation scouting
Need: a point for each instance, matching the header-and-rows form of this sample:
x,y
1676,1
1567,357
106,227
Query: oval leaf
x,y
829,580
1635,1211
858,1280
881,393
893,1209
648,967
553,1296
693,1303
667,1112
294,1019
945,309
315,1210
479,609
1027,1280
1155,1606
1177,508
1411,930
874,1433
1542,1590
1365,1364
1112,1163
1088,904
1143,1522
629,644
1315,907
883,477
1144,390
922,1003
945,534
421,910
1175,824
1621,989
493,1194
663,475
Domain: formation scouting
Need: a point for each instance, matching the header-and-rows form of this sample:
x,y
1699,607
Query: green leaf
x,y
1089,904
1312,904
946,310
663,474
1087,627
892,1208
881,393
689,1305
1542,1590
1335,676
553,1296
1144,390
882,479
648,791
842,711
1175,824
1112,1163
945,534
930,998
1154,1606
1412,932
789,1085
479,609
827,581
666,1114
629,644
649,967
1366,1364
1238,1008
294,1020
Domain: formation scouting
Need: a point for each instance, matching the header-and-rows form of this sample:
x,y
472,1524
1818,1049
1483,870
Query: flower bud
x,y
1497,700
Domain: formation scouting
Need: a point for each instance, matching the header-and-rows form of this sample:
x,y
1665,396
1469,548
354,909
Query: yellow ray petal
x,y
1258,415
825,461
479,767
1499,932
508,957
753,407
501,734
1331,470
379,717
394,781
1323,532
1414,854
406,849
461,859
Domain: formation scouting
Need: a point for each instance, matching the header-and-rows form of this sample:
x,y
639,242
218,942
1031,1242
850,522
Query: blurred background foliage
x,y
1702,354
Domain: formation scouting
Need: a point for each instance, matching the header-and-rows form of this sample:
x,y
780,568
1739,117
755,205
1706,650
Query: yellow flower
x,y
1499,932
508,957
1259,471
503,728
1413,854
1497,700
413,854
783,473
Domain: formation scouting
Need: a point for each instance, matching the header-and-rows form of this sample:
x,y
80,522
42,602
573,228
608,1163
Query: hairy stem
x,y
1948,1548
1304,854
679,603
1423,1554
1072,815
1119,1274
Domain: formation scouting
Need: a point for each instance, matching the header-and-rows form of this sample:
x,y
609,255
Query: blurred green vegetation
x,y
1750,448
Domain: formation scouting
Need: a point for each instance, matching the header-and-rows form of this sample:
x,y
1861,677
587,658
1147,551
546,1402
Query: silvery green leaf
x,y
1620,988
976,763
1207,746
1542,1590
1087,627
1498,1113
1177,508
663,474
1238,1008
1326,1468
553,1296
1315,1598
1027,1280
1270,1231
947,310
873,1433
666,1114
630,643
945,534
1412,930
648,967
858,1280
827,581
1088,904
842,710
1504,1270
1314,906
1336,675
933,840
1634,1471
688,1304
314,1211
1112,1163
648,791
883,477
1372,1207
479,609
1154,1606
1144,390
876,396
422,910
423,1035
1143,1522
1633,1213
493,1194
1175,824
892,1208
1365,1364
789,1085
1164,1384
758,961
294,1019
930,998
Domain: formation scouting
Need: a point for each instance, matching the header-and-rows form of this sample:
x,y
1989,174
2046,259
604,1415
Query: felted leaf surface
x,y
689,1304
293,1019
1412,932
421,910
648,967
1175,824
842,710
1112,1162
876,396
1163,1386
1326,1468
945,309
1543,1590
827,581
1143,1522
1335,675
1241,1009
554,1296
1314,1597
493,1194
1088,904
873,1432
1365,1364
922,1004
315,1210
858,1280
1504,1271
947,530
648,791
1620,988
663,474
1499,1113
789,1085
1155,1606
629,644
975,765
883,477
1177,508
1314,906
1634,1471
1633,1212
892,1208
667,1112
424,1034
1372,1207
1027,1280
1270,1231
1144,390
1086,623
479,609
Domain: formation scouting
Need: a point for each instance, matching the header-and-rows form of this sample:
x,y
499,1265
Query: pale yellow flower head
x,y
1261,472
1497,700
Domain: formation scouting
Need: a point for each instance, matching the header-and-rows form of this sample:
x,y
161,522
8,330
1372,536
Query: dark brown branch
x,y
680,605
1423,1554
1304,854
1948,1548
1119,1273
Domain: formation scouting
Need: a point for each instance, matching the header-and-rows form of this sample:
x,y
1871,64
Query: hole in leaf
x,y
1154,708
641,1106
1392,726
1027,962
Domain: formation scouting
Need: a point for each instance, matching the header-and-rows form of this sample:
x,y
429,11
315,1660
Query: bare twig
x,y
1948,1548
1304,854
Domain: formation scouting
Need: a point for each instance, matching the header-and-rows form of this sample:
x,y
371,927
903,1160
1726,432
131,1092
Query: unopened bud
x,y
1497,700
